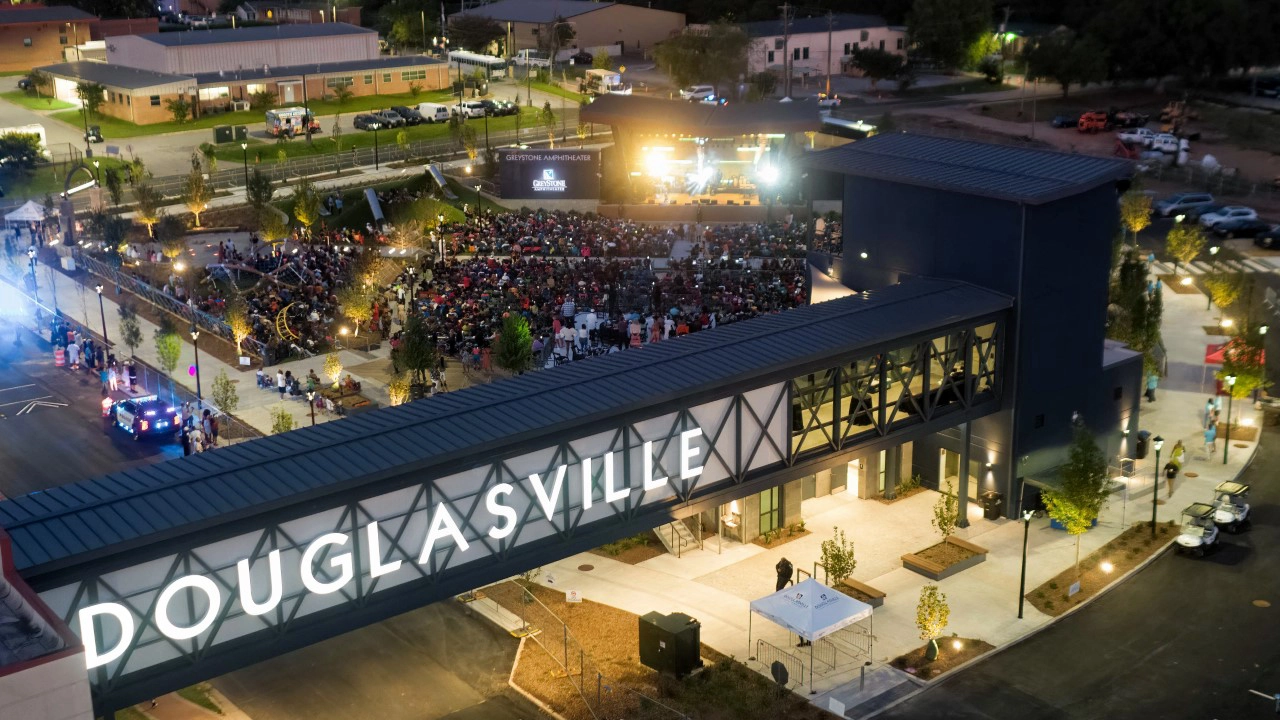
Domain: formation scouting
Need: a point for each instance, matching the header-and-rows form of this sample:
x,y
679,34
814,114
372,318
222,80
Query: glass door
x,y
770,509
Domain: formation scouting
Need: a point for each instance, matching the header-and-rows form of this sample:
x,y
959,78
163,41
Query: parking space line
x,y
17,387
23,402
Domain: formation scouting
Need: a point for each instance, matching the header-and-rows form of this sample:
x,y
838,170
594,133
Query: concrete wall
x,y
47,689
140,52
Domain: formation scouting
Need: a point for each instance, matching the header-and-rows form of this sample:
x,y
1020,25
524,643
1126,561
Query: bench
x,y
875,598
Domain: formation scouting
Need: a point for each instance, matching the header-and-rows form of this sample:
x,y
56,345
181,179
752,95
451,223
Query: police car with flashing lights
x,y
146,415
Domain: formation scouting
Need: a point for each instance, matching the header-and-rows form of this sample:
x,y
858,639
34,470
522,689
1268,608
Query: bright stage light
x,y
768,174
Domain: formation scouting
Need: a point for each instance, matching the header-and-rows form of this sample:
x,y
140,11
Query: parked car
x,y
582,57
1268,239
1241,228
1140,136
1182,203
25,84
146,415
1128,119
1231,212
389,118
1064,121
365,121
697,92
469,109
498,108
1165,143
1194,214
828,101
411,116
1093,121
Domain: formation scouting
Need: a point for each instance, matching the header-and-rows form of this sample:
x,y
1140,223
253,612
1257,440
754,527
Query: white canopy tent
x,y
812,611
29,212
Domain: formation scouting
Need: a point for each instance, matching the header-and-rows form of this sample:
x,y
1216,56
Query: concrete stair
x,y
676,537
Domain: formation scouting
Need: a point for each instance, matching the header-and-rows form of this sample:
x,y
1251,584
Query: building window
x,y
865,36
795,53
128,100
847,47
806,53
255,88
214,93
813,412
778,44
386,77
899,43
410,75
26,42
881,44
770,60
62,39
339,82
368,79
155,101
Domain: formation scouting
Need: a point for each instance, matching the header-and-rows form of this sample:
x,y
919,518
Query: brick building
x,y
131,94
35,35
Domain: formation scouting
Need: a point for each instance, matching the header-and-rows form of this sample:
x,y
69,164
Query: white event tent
x,y
811,610
29,212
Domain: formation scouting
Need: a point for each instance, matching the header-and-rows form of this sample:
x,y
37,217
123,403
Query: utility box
x,y
222,134
242,132
670,643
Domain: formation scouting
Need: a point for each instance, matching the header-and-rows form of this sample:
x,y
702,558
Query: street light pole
x,y
244,148
103,314
1213,262
1022,584
195,342
35,286
1226,445
1157,442
375,127
311,400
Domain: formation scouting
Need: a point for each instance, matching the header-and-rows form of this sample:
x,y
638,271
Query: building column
x,y
839,478
962,492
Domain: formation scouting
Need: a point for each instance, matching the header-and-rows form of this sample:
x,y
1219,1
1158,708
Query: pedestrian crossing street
x,y
1201,267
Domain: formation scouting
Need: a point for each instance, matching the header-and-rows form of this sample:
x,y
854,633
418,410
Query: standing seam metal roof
x,y
201,490
293,31
1001,172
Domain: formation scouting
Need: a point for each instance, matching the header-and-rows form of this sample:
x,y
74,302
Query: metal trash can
x,y
1144,444
242,132
992,505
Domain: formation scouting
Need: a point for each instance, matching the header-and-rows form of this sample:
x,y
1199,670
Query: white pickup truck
x,y
1137,136
532,58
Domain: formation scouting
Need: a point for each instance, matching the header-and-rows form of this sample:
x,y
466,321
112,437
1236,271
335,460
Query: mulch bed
x,y
787,536
1174,283
633,555
1125,552
949,657
901,495
945,554
1215,330
1246,433
855,594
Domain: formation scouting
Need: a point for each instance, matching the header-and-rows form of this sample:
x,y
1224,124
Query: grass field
x,y
365,103
557,90
33,102
47,180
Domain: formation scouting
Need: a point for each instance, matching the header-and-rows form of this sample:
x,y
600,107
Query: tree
x,y
136,171
263,100
148,206
548,120
91,95
260,190
171,233
224,393
236,314
179,109
168,347
764,83
20,150
417,351
336,133
715,54
272,226
556,35
473,32
514,347
469,142
130,330
932,615
946,512
1076,504
1184,242
306,203
837,557
115,185
1135,212
281,420
602,61
398,389
1134,314
1243,358
356,299
1225,288
341,95
333,367
877,64
196,192
1066,58
402,141
39,81
944,30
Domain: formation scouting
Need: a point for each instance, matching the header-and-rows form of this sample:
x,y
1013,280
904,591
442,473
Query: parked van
x,y
433,112
532,58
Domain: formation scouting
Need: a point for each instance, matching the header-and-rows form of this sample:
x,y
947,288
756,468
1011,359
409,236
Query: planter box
x,y
935,571
868,594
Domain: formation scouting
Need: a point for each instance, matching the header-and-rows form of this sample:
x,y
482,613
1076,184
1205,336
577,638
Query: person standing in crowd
x,y
280,383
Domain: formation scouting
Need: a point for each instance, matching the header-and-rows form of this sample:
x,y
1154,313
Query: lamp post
x,y
1213,261
103,314
311,400
439,229
1157,442
1022,584
1226,445
478,213
195,342
423,13
244,149
375,127
35,287
96,180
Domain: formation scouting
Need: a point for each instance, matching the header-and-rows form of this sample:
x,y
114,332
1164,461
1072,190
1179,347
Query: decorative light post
x,y
244,149
375,127
96,180
103,314
1157,442
1226,445
1213,261
1022,584
311,400
195,342
35,287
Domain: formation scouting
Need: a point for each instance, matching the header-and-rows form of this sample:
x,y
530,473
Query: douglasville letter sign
x,y
550,174
181,606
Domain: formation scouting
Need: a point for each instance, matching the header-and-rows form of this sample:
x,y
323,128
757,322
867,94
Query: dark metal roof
x,y
1001,172
116,76
535,11
57,13
155,503
645,114
805,26
257,73
254,34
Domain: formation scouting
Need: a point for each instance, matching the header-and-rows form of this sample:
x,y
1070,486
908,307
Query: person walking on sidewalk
x,y
1152,380
784,570
1211,438
1175,466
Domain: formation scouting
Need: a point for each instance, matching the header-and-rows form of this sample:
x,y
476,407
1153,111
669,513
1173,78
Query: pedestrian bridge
x,y
180,571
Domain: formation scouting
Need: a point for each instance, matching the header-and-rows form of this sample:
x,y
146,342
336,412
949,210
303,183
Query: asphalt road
x,y
1181,639
435,663
65,439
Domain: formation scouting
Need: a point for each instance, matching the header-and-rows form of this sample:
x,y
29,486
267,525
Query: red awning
x,y
1213,354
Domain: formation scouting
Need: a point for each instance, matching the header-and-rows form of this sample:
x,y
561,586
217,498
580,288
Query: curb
x,y
511,682
928,684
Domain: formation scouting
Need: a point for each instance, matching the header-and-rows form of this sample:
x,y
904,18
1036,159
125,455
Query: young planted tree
x,y
356,299
209,153
417,352
342,95
548,120
272,226
91,95
179,109
932,616
1225,288
115,185
236,314
168,348
398,389
171,233
260,190
877,64
41,82
224,393
1243,359
148,206
281,420
196,192
469,142
333,368
306,204
837,557
1135,212
335,133
130,329
137,171
946,512
1184,242
1076,504
514,350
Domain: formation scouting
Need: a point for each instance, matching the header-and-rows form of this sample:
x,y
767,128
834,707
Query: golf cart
x,y
1231,506
94,134
1199,533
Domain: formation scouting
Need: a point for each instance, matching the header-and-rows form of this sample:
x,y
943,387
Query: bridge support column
x,y
962,492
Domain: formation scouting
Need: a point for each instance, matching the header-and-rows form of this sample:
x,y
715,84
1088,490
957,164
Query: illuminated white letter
x,y
651,482
499,510
247,602
548,501
442,524
687,453
342,562
610,493
586,483
194,582
89,635
377,568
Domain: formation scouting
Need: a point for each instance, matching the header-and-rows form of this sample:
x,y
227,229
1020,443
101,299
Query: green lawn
x,y
33,102
268,152
973,85
557,90
365,103
46,180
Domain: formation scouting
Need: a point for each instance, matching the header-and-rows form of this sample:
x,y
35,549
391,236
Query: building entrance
x,y
949,472
771,509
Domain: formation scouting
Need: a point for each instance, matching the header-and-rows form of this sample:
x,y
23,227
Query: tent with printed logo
x,y
810,610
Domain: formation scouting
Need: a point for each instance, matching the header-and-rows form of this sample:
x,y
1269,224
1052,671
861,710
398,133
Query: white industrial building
x,y
204,51
810,38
